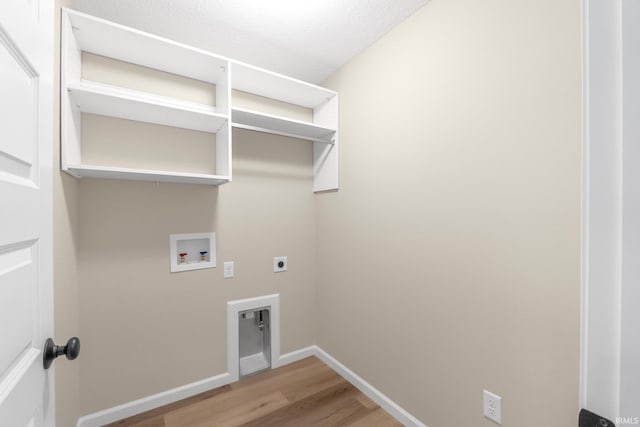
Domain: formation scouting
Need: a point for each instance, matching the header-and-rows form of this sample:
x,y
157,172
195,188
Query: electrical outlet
x,y
279,264
492,406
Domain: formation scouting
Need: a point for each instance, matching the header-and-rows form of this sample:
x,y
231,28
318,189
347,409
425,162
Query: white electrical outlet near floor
x,y
492,406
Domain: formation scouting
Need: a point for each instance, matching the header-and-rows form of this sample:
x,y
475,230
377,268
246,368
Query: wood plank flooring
x,y
304,393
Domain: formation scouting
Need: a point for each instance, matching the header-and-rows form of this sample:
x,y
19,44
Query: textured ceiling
x,y
307,39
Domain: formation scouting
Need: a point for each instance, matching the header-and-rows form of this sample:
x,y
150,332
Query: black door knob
x,y
51,350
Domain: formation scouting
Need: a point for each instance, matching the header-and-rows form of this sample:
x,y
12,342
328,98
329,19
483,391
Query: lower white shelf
x,y
92,171
262,122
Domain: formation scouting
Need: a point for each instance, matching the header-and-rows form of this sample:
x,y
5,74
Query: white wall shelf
x,y
135,105
84,33
254,120
250,79
323,102
116,41
114,172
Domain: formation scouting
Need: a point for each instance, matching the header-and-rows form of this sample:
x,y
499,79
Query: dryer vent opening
x,y
254,327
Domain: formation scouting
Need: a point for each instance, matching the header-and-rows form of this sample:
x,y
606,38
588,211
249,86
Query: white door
x,y
26,288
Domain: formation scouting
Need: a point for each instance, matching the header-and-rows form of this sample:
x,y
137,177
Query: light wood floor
x,y
305,393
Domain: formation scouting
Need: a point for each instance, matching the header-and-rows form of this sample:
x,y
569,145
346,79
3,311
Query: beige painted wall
x,y
449,260
271,106
146,330
108,141
65,279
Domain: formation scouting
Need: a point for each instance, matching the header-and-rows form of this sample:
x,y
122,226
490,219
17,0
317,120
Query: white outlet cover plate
x,y
492,406
276,261
228,269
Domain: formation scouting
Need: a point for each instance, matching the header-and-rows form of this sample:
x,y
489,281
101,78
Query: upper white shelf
x,y
106,100
253,120
116,41
258,81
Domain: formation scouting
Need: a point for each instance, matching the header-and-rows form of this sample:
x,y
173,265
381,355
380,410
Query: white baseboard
x,y
154,401
370,391
148,403
166,397
294,356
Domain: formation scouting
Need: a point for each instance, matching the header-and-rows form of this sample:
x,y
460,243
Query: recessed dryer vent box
x,y
192,251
